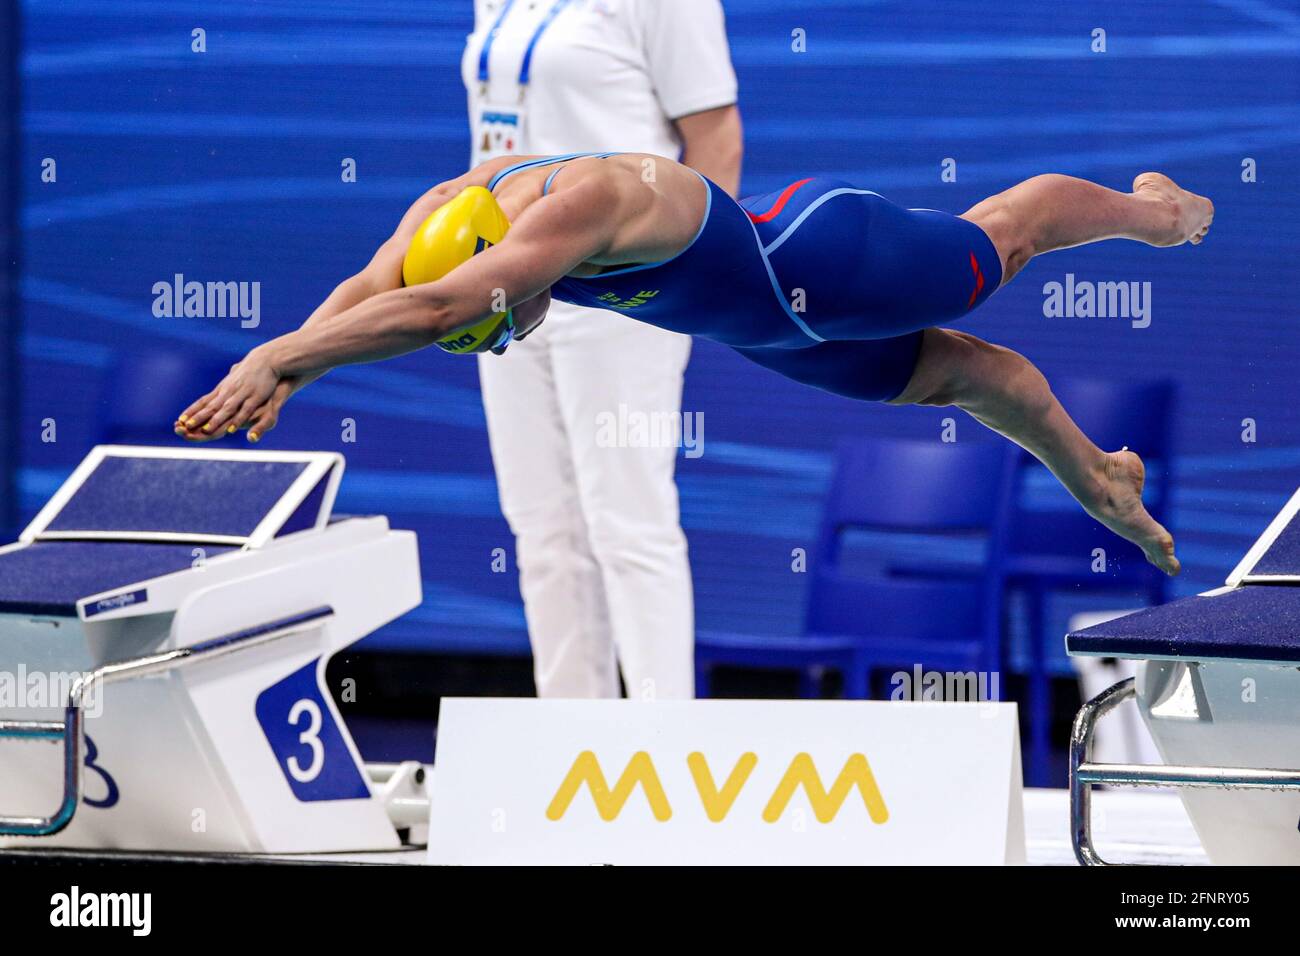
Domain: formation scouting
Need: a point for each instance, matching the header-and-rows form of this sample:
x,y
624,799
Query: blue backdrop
x,y
9,175
225,165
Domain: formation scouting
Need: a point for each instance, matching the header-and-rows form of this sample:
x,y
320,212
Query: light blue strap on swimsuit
x,y
544,161
508,334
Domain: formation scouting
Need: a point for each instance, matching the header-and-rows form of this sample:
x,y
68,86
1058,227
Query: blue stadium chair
x,y
147,390
1052,549
921,605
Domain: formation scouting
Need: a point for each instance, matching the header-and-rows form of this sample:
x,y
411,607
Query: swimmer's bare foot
x,y
1118,505
1192,214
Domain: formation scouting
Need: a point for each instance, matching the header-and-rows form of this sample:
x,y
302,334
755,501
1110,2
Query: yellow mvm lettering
x,y
718,801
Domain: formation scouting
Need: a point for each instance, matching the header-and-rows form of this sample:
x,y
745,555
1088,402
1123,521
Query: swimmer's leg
x,y
1005,392
870,370
1056,212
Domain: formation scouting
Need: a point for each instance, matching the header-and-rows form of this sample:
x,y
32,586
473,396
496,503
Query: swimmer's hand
x,y
250,396
268,416
530,313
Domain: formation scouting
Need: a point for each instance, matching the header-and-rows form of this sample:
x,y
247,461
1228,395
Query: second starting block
x,y
165,623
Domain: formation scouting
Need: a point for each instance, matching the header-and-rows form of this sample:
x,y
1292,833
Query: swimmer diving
x,y
825,283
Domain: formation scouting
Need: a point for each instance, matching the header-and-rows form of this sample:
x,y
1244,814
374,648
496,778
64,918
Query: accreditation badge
x,y
498,132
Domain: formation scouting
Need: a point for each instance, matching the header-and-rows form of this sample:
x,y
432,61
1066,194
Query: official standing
x,y
602,558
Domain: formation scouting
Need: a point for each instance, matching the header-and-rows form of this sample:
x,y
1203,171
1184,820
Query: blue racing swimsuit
x,y
825,283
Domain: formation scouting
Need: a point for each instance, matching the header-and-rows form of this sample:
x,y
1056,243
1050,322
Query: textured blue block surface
x,y
1283,557
177,494
49,577
1256,622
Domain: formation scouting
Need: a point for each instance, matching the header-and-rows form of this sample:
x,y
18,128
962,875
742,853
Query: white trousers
x,y
602,558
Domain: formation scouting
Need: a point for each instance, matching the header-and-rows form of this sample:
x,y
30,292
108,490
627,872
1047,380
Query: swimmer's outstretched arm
x,y
550,239
383,273
1004,391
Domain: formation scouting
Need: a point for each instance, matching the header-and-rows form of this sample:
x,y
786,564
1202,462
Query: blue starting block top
x,y
131,514
178,495
50,577
1256,622
1275,557
243,498
1255,618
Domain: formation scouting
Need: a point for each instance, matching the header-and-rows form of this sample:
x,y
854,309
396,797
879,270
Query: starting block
x,y
165,623
1218,685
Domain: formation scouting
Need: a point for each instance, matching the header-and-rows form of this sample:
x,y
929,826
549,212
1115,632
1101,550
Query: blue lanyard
x,y
525,69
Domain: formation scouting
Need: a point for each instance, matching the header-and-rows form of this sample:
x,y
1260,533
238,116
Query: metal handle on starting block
x,y
71,729
1084,775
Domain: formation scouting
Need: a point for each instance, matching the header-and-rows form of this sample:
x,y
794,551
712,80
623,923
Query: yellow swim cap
x,y
458,230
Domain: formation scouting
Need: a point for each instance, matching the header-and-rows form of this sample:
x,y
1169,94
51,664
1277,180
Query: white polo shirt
x,y
606,75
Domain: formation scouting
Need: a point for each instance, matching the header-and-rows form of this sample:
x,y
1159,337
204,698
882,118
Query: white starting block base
x,y
217,732
1218,686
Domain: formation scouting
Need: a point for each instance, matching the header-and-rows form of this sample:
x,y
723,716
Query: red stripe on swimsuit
x,y
780,203
979,280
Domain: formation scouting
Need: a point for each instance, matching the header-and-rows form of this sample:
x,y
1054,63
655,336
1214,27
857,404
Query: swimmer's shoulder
x,y
483,173
647,168
624,178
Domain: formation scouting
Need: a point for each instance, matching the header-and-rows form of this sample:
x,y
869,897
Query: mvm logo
x,y
718,801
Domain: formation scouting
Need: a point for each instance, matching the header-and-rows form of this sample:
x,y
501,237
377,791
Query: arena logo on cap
x,y
208,300
718,801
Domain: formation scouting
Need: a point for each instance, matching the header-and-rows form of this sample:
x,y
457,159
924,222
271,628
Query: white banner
x,y
726,782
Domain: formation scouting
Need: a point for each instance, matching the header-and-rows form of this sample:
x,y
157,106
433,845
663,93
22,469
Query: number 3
x,y
110,800
310,738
